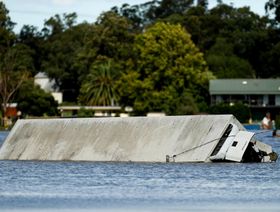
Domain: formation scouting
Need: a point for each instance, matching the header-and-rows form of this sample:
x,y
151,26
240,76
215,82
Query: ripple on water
x,y
140,186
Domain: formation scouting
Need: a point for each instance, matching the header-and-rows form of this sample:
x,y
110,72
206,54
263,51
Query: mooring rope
x,y
188,150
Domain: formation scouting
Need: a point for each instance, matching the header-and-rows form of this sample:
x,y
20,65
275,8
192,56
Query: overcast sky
x,y
34,12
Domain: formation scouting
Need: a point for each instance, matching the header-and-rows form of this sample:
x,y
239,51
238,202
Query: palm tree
x,y
98,89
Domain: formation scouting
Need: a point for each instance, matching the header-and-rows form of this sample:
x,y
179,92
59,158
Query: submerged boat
x,y
200,138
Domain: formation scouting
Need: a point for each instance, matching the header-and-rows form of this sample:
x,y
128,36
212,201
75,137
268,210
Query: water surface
x,y
92,186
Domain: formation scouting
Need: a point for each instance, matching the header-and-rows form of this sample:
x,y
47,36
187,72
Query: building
x,y
48,85
99,111
260,95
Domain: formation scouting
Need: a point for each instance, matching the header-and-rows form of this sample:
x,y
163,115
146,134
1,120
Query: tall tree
x,y
271,62
98,89
202,3
274,5
61,48
169,71
110,38
33,101
13,72
31,37
165,8
225,64
15,61
134,13
244,30
7,36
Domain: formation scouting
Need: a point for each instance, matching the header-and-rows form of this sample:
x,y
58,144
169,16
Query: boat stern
x,y
244,147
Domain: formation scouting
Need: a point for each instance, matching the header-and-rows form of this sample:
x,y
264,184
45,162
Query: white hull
x,y
133,139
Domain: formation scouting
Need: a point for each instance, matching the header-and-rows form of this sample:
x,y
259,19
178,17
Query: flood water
x,y
91,186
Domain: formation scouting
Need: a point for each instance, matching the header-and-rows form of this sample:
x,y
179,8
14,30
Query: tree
x,y
134,14
98,89
31,37
239,110
57,24
225,64
14,70
168,68
246,32
274,5
109,39
33,101
15,60
169,7
61,49
202,3
7,37
271,62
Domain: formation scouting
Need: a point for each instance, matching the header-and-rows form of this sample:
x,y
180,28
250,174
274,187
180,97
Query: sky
x,y
35,12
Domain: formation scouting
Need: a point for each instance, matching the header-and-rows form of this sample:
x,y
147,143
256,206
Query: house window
x,y
256,100
277,100
226,98
271,99
238,98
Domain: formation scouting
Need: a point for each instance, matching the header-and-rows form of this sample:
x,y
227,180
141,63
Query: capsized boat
x,y
198,138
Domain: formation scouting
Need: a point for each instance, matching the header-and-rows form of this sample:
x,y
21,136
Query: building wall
x,y
48,86
45,84
265,100
57,97
277,100
253,100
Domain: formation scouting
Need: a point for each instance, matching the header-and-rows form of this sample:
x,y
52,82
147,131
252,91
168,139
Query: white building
x,y
48,85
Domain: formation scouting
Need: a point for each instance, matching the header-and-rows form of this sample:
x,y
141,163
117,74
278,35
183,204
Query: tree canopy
x,y
156,56
168,67
33,101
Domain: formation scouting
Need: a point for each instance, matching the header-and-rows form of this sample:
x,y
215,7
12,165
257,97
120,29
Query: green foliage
x,y
239,29
239,110
83,113
7,37
272,62
57,24
169,69
30,37
186,104
59,63
154,66
169,7
98,88
274,5
15,65
225,64
33,101
202,3
110,37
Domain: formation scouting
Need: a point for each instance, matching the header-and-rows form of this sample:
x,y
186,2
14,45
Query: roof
x,y
45,82
98,108
41,75
244,86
